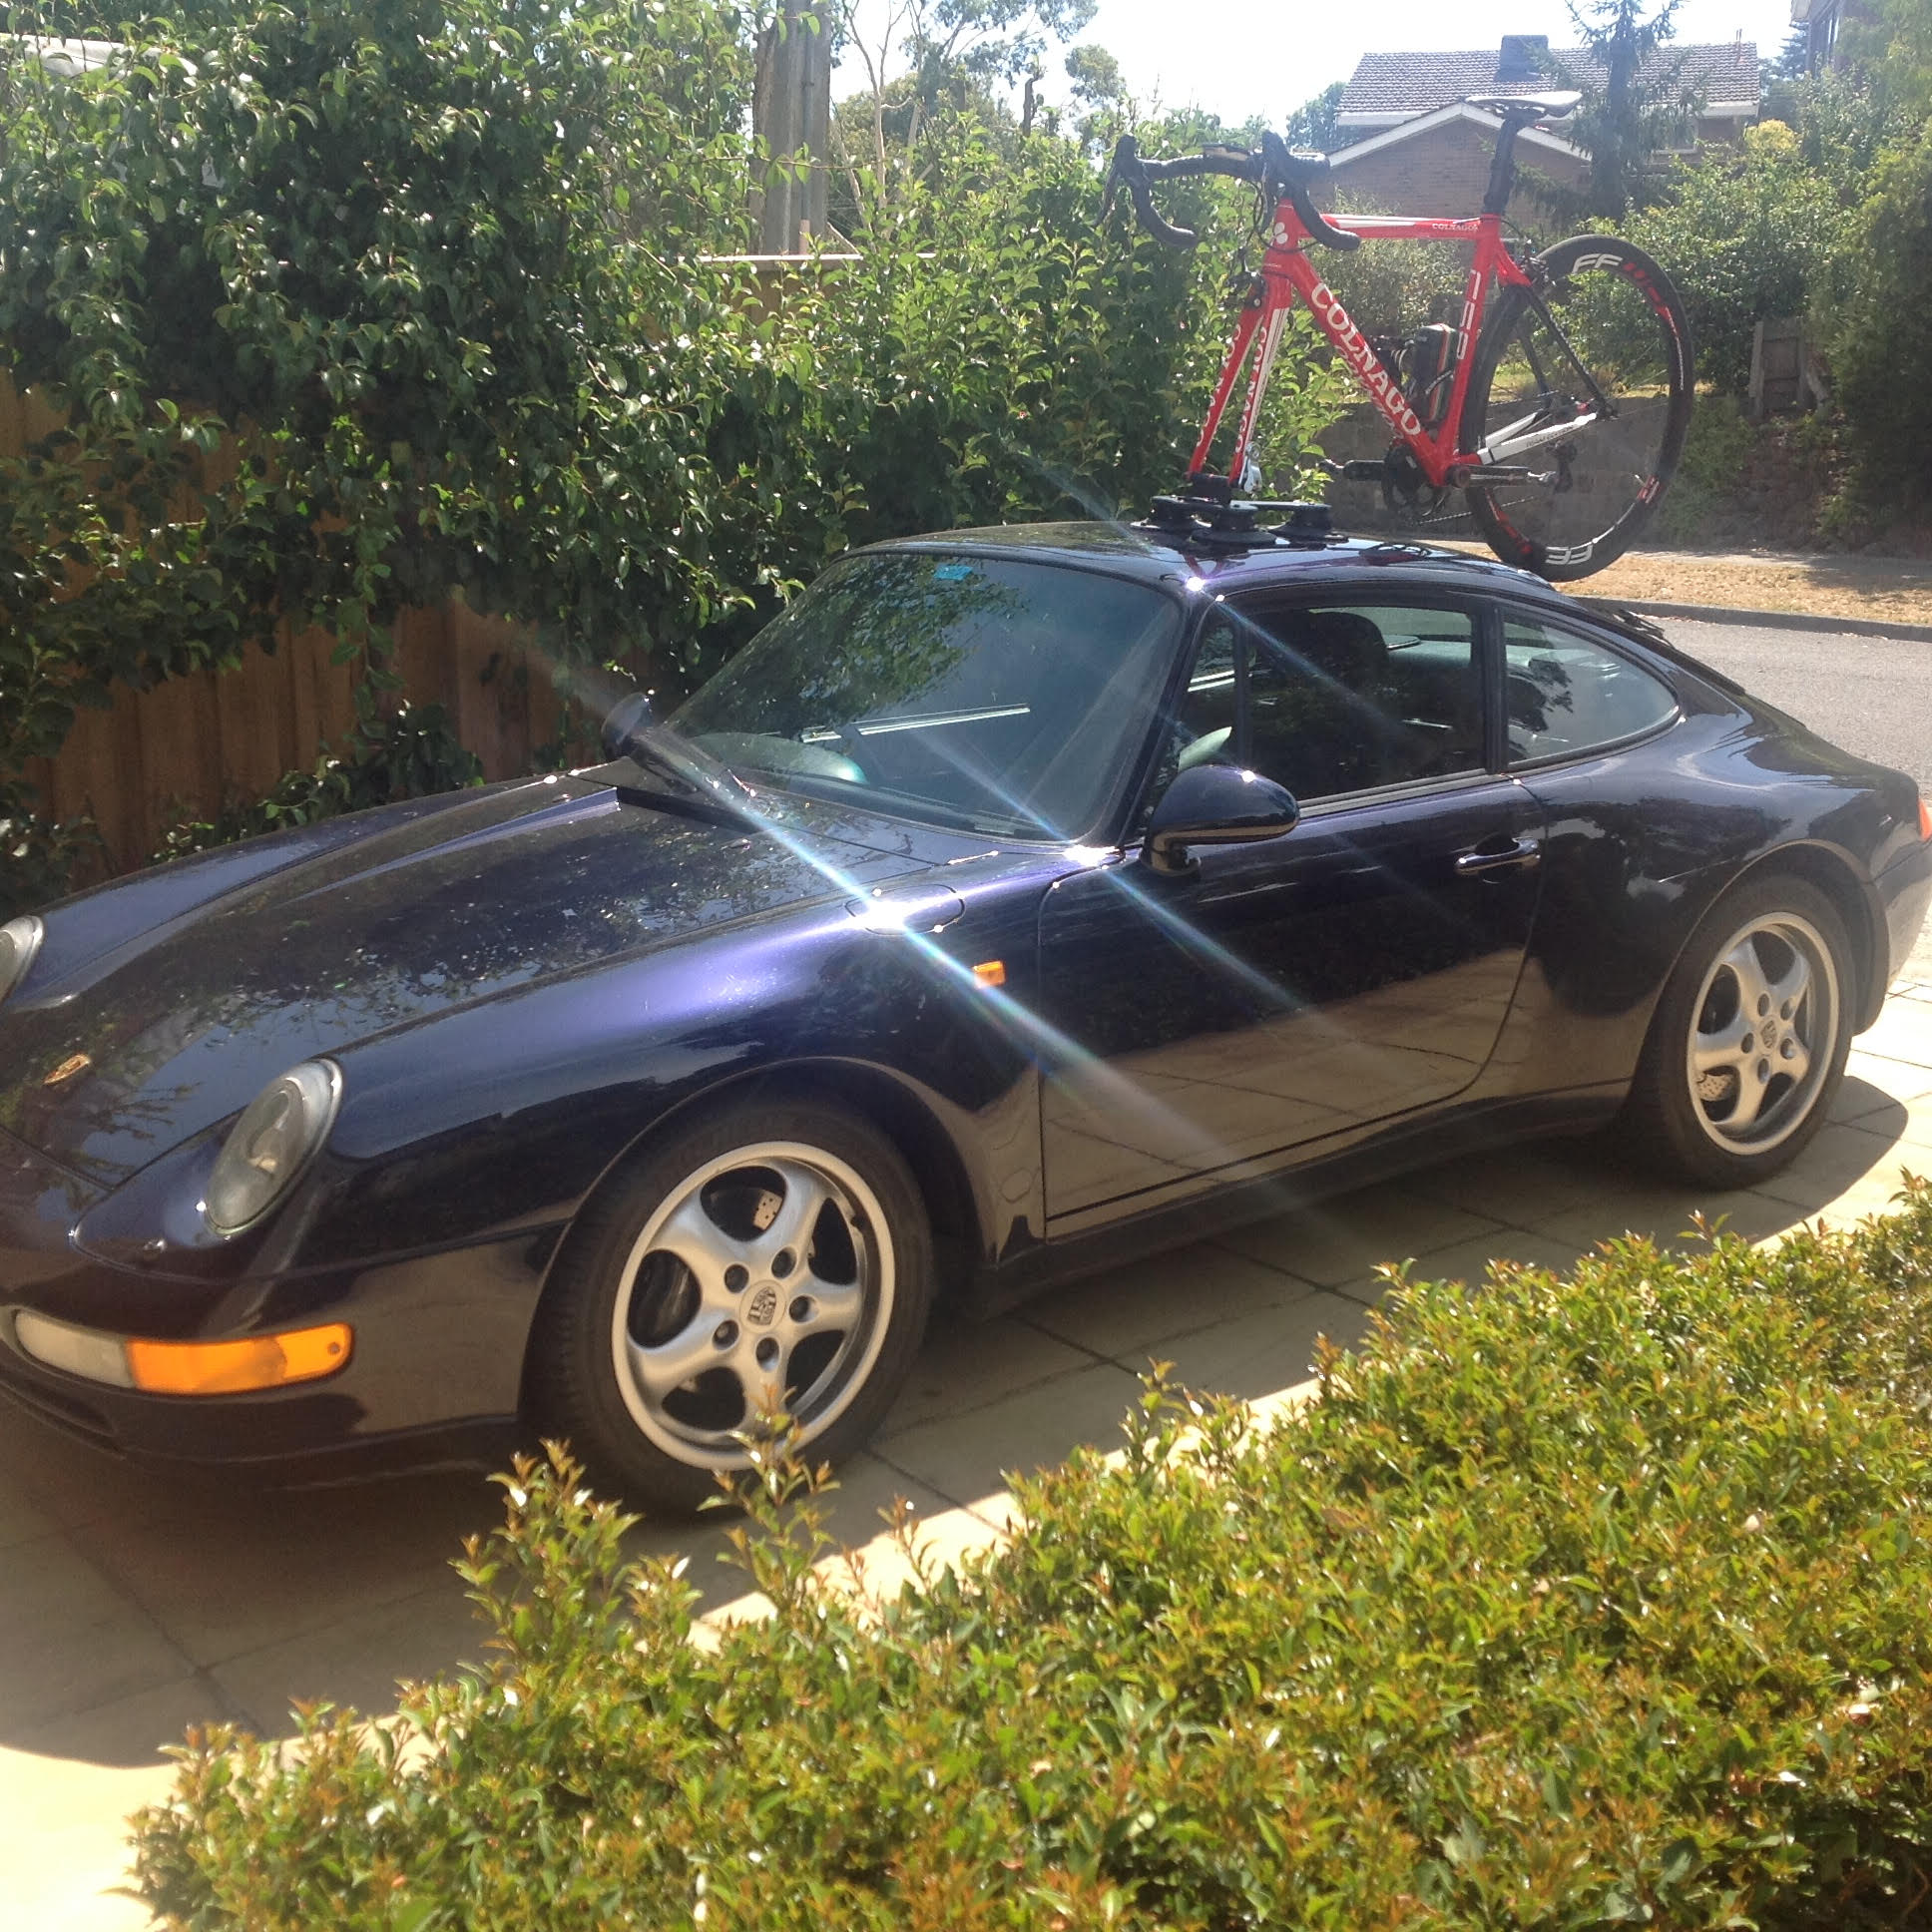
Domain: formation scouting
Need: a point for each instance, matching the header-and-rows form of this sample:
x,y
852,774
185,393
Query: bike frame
x,y
1286,272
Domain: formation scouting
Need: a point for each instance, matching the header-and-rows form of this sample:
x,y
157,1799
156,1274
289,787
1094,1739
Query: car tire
x,y
763,1256
1748,1042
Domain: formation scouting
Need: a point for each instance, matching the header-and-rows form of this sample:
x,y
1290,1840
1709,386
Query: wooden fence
x,y
191,744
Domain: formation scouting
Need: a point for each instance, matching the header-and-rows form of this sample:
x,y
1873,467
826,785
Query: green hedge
x,y
1572,1602
348,310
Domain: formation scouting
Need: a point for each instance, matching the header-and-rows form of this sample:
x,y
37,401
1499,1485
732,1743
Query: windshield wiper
x,y
885,801
913,722
700,784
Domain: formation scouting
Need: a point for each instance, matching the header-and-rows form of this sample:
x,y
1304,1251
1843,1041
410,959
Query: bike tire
x,y
1617,303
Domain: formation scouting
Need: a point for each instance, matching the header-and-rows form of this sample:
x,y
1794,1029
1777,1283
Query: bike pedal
x,y
1364,470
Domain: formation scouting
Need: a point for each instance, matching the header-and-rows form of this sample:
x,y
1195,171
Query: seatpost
x,y
1502,170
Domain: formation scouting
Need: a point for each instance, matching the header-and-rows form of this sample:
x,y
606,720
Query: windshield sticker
x,y
952,573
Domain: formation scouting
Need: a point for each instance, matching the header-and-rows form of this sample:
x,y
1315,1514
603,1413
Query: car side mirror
x,y
1216,804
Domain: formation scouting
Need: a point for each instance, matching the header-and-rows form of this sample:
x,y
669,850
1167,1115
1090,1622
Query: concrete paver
x,y
1127,1315
1340,1241
966,1365
75,1641
1842,1160
63,1847
134,1603
1669,1214
967,1456
354,1659
22,1520
1258,1354
292,1564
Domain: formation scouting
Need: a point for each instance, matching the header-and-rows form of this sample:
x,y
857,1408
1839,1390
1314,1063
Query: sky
x,y
1239,58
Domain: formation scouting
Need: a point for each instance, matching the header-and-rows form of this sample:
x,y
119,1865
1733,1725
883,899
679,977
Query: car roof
x,y
1131,550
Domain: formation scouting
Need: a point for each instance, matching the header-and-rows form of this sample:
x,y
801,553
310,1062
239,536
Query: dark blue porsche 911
x,y
1016,897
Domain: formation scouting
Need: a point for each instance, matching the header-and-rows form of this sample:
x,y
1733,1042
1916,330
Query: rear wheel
x,y
1602,313
1750,1040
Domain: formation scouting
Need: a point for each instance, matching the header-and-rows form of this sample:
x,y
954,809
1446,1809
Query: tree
x,y
1098,86
1313,125
922,57
1095,77
1639,105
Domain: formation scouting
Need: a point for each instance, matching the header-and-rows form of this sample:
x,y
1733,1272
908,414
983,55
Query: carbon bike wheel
x,y
1602,307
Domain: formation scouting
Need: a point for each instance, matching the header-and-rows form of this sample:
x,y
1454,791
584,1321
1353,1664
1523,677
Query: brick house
x,y
1416,146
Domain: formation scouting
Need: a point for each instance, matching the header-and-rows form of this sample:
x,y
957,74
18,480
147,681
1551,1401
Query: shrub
x,y
1393,288
1883,338
1744,236
40,858
349,309
1716,447
409,754
1571,1603
998,354
1054,366
345,307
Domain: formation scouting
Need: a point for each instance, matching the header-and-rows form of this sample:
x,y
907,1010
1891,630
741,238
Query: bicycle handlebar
x,y
1273,165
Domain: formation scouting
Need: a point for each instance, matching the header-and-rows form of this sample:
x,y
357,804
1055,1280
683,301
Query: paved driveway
x,y
131,1606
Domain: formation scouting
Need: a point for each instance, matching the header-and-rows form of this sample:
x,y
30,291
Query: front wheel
x,y
1750,1038
767,1259
1581,392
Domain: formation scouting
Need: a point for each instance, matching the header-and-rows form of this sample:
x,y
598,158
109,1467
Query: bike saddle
x,y
1527,107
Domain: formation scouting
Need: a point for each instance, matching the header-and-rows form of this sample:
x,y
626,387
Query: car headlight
x,y
19,942
270,1145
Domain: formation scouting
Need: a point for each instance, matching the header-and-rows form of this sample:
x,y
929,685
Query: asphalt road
x,y
1873,696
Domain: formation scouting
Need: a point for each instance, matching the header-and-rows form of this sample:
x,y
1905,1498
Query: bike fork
x,y
1244,470
1268,321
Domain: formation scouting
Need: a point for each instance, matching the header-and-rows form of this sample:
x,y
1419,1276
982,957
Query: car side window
x,y
1564,694
1348,698
1205,721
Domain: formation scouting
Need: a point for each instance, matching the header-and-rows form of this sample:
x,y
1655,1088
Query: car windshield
x,y
998,695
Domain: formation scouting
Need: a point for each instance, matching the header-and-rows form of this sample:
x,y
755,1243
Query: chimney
x,y
1523,57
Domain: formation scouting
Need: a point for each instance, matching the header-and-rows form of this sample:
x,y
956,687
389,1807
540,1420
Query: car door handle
x,y
1496,858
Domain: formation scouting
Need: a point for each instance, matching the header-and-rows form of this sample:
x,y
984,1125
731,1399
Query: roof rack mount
x,y
1208,512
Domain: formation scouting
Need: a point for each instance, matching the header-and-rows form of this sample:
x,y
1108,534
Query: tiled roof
x,y
1420,83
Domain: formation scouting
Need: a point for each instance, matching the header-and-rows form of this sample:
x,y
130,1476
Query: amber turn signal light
x,y
990,972
1925,819
229,1367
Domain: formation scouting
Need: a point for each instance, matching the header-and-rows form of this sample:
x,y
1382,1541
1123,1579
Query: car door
x,y
1617,854
1314,985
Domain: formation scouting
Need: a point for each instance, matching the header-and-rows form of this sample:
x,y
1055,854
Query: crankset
x,y
1406,489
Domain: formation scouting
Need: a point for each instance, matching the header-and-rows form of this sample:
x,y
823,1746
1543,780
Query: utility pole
x,y
791,109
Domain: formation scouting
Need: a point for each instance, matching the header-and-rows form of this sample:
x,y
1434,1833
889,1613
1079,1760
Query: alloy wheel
x,y
763,1284
1765,1019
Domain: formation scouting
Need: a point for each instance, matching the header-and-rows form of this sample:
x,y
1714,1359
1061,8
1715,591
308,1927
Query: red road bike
x,y
1557,401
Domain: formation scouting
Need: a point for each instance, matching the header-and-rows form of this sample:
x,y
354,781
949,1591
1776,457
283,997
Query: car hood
x,y
130,1052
